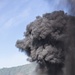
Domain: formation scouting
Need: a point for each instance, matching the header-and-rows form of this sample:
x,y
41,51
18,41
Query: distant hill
x,y
20,70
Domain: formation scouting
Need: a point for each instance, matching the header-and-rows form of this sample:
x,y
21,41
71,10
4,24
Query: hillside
x,y
19,70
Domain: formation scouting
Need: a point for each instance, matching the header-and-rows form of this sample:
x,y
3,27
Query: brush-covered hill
x,y
19,70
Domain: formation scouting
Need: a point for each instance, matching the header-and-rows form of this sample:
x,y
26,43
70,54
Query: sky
x,y
14,17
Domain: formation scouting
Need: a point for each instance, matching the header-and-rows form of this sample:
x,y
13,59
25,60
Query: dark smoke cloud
x,y
45,40
72,7
65,5
70,47
69,5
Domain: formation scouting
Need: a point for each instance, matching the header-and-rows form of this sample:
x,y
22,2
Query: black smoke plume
x,y
46,42
71,3
66,5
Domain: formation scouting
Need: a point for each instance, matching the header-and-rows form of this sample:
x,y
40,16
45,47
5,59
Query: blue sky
x,y
14,17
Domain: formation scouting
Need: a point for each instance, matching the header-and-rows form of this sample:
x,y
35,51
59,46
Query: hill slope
x,y
20,70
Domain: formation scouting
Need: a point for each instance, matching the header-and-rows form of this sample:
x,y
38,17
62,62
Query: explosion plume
x,y
46,41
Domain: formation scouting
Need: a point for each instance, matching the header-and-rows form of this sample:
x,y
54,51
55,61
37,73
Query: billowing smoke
x,y
49,40
46,40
